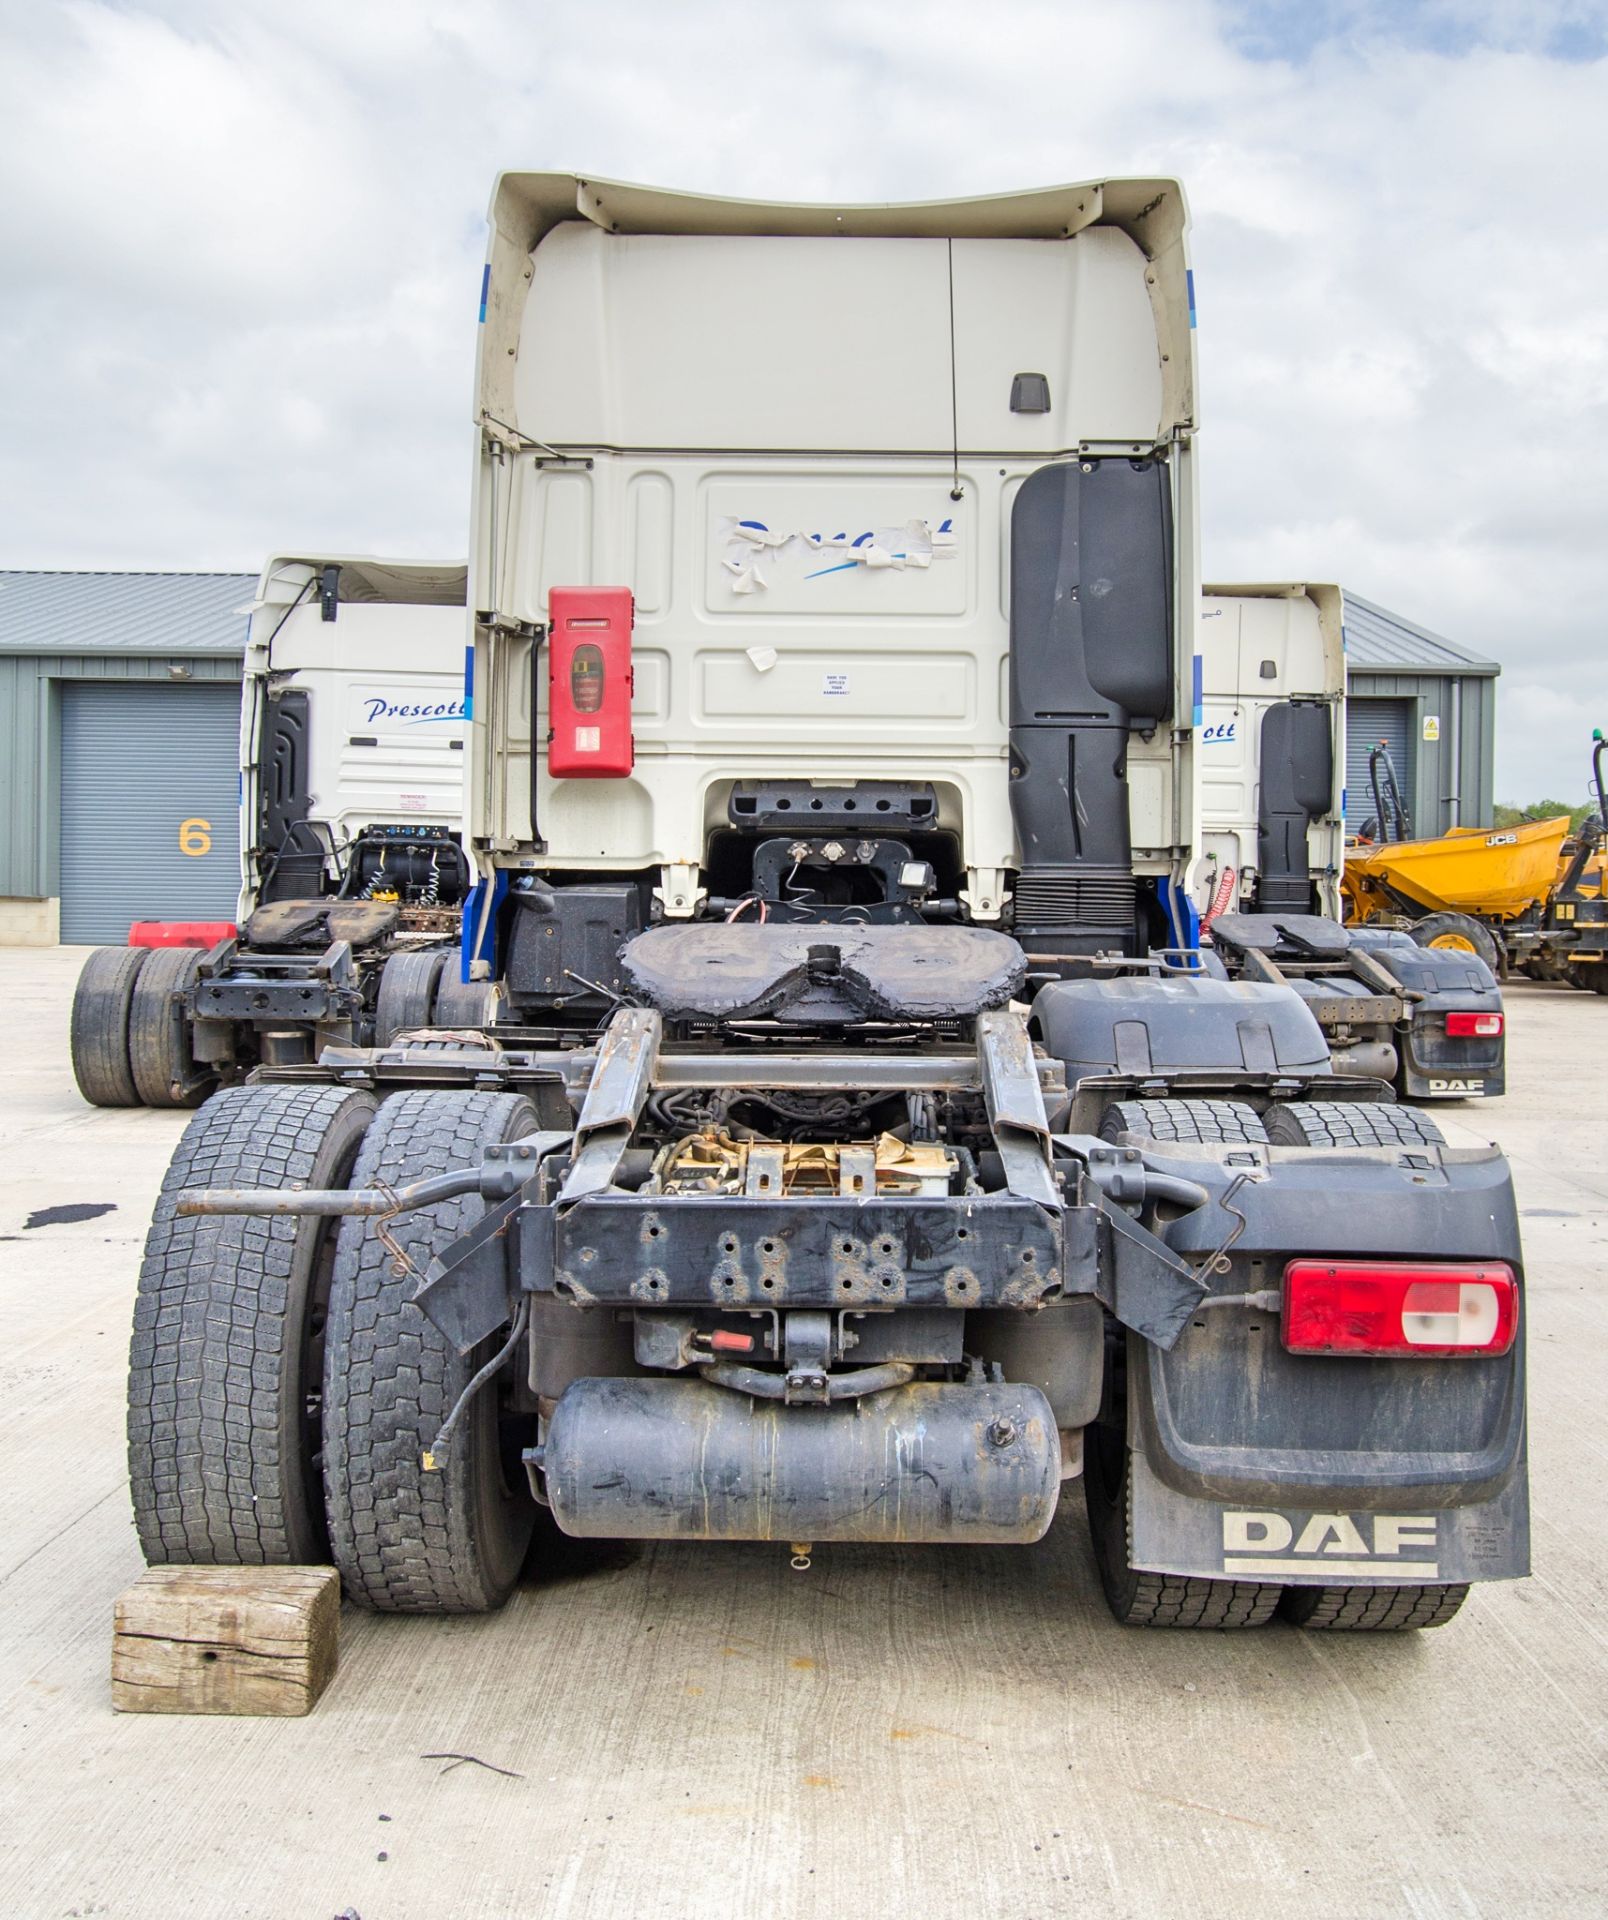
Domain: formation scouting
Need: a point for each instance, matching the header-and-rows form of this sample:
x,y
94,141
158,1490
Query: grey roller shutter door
x,y
1367,723
147,771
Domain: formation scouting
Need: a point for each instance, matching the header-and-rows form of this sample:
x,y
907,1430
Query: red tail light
x,y
1413,1311
1474,1026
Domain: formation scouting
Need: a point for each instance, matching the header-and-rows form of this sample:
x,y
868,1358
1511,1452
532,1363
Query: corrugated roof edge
x,y
111,610
1433,651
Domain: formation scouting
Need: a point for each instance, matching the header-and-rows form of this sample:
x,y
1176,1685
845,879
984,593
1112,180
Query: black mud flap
x,y
1408,1543
1252,1462
1436,1067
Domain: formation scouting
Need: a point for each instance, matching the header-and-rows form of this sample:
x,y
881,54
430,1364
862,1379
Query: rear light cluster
x,y
1414,1311
1474,1026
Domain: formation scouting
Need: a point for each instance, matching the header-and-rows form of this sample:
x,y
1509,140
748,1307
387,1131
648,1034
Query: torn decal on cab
x,y
1340,1546
748,543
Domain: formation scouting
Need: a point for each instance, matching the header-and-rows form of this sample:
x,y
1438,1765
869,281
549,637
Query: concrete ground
x,y
692,1730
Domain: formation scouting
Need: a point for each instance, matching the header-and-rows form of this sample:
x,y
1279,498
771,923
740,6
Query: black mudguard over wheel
x,y
165,1069
407,1540
100,1026
1140,1599
225,1368
1193,1122
1370,1609
1351,1123
407,993
1460,933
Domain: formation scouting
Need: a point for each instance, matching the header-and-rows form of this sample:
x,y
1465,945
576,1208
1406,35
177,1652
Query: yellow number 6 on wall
x,y
195,837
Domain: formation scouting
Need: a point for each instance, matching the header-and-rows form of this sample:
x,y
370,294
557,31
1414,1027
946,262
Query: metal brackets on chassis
x,y
1064,1224
565,1220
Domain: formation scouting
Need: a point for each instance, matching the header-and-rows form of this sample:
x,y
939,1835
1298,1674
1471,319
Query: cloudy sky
x,y
240,247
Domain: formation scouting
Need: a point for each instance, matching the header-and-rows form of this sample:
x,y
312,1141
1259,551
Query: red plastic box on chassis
x,y
204,934
589,683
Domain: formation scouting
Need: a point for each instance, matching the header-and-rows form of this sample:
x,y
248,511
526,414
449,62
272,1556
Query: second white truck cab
x,y
353,730
1272,671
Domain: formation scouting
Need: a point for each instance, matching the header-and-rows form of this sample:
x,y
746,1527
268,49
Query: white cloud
x,y
241,257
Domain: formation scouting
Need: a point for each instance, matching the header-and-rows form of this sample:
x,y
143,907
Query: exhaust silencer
x,y
654,1459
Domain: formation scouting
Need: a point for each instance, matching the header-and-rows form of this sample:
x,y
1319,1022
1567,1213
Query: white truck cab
x,y
1263,650
353,727
799,436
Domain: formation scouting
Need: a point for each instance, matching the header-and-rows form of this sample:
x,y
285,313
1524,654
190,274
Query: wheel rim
x,y
1458,942
312,1357
312,1346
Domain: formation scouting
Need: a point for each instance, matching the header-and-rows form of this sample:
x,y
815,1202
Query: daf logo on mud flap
x,y
1457,1086
1340,1546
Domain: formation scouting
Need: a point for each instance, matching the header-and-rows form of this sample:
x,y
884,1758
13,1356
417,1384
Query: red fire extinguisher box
x,y
589,683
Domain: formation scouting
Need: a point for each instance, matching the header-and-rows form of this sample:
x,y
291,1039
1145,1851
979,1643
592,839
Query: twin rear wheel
x,y
133,1043
283,1390
1139,1598
130,1036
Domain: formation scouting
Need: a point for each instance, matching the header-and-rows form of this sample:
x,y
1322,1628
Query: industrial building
x,y
119,751
1433,705
119,743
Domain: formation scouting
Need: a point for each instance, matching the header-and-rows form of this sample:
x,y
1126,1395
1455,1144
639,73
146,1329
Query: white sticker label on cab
x,y
1337,1545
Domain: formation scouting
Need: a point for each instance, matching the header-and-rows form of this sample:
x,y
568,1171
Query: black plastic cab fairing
x,y
1091,657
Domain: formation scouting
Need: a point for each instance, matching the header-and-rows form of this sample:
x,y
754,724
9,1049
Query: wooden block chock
x,y
258,1640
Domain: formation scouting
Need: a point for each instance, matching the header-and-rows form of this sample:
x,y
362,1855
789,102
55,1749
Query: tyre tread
x,y
98,1030
1479,936
404,1539
406,998
211,1326
159,1065
1180,1600
1137,1598
1351,1123
1372,1609
1191,1122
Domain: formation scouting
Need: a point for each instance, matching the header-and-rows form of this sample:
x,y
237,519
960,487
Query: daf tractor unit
x,y
353,732
1270,740
859,1144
